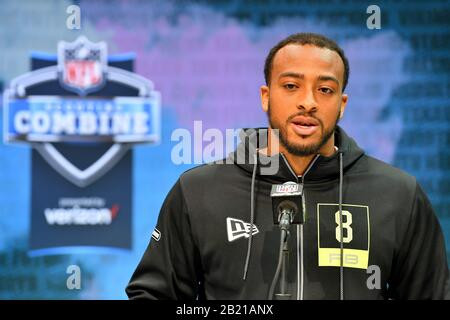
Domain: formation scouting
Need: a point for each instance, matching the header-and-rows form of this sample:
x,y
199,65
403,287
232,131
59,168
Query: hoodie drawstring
x,y
252,215
341,178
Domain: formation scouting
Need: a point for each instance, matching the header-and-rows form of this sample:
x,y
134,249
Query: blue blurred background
x,y
206,59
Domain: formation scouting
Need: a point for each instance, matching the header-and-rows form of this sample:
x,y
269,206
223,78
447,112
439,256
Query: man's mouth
x,y
304,126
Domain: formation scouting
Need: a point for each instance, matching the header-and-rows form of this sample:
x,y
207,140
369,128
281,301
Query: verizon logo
x,y
81,216
237,229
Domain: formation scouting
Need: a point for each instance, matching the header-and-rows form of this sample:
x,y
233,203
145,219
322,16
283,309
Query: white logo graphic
x,y
81,211
237,229
156,234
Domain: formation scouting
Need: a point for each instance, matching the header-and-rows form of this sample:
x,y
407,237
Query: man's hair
x,y
313,39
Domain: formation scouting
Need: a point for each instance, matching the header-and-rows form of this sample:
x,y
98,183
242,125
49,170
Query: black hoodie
x,y
202,246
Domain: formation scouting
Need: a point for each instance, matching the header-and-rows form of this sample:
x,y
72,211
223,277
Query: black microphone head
x,y
287,197
287,206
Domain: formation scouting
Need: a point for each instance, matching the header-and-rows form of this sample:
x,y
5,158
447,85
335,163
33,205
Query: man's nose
x,y
307,101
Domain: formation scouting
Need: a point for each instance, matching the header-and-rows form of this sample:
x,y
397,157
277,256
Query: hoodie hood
x,y
277,169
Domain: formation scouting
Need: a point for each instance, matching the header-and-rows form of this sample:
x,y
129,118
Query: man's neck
x,y
298,163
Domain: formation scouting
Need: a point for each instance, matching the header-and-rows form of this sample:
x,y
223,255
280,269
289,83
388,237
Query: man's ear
x,y
264,91
343,105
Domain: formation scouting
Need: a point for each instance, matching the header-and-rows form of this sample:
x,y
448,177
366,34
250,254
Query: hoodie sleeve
x,y
169,268
420,268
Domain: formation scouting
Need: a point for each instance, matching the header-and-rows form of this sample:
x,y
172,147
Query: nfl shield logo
x,y
82,65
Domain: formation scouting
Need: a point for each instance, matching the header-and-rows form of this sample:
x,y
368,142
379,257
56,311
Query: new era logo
x,y
237,229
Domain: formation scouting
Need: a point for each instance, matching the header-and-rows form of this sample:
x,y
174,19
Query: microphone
x,y
287,204
287,208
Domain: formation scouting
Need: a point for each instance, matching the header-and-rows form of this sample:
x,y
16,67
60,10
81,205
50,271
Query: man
x,y
369,229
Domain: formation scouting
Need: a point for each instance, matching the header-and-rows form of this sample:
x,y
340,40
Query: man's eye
x,y
326,90
290,86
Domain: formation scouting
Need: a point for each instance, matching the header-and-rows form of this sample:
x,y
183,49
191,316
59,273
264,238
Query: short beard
x,y
303,150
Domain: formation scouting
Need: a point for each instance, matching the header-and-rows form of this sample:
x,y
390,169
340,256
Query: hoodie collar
x,y
276,168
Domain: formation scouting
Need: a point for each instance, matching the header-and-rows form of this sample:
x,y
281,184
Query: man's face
x,y
304,100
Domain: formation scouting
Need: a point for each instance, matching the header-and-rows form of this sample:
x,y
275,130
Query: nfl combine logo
x,y
43,120
82,111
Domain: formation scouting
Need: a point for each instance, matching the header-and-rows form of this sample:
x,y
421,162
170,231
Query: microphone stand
x,y
285,223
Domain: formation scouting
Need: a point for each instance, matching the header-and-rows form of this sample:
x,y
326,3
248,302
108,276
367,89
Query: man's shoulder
x,y
209,181
390,174
209,172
